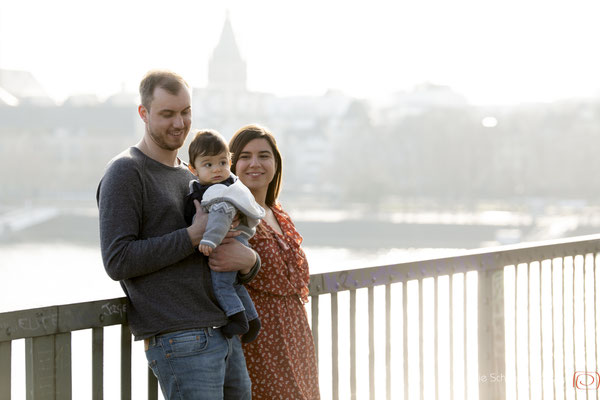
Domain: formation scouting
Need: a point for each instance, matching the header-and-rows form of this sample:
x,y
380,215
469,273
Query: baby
x,y
224,197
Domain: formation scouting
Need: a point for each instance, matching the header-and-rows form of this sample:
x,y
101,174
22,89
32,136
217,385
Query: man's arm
x,y
125,254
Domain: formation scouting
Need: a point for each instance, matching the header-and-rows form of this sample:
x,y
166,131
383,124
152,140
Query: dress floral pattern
x,y
281,361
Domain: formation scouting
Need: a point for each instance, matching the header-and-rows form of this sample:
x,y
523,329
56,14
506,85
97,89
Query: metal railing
x,y
548,334
535,326
47,333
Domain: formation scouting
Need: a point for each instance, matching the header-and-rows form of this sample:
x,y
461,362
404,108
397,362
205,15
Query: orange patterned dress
x,y
281,361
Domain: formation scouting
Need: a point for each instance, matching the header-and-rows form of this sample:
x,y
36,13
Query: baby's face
x,y
212,169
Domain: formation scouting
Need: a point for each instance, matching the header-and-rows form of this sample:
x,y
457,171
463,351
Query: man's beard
x,y
161,142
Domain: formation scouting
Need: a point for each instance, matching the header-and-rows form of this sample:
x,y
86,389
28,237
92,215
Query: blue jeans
x,y
232,297
199,364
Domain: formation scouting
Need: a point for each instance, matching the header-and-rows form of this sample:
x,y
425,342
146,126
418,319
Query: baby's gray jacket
x,y
222,203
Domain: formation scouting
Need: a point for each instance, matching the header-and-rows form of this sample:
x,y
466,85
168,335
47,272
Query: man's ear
x,y
143,113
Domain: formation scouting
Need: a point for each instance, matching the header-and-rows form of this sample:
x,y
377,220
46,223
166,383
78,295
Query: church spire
x,y
226,68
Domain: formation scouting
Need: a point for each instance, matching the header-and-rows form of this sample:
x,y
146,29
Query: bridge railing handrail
x,y
471,260
64,318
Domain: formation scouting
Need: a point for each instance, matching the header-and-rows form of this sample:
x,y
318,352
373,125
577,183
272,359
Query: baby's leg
x,y
237,325
226,294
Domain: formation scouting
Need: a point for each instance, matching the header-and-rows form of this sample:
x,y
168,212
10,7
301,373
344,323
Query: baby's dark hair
x,y
207,142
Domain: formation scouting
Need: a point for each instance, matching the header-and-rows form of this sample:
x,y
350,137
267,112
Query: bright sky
x,y
492,51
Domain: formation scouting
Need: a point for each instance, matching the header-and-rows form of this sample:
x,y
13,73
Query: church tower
x,y
226,68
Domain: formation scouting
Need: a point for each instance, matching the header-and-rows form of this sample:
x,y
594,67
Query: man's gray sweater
x,y
145,246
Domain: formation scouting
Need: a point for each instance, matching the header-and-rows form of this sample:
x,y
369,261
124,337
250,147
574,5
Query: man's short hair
x,y
164,79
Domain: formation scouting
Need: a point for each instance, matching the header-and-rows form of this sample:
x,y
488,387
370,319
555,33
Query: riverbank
x,y
335,228
356,233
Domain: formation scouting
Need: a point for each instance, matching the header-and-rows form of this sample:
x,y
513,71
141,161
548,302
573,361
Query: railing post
x,y
5,370
335,394
125,362
388,340
152,386
62,364
352,318
492,372
371,308
40,369
314,302
97,363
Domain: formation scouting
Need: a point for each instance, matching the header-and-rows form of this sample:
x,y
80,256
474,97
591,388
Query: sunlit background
x,y
408,129
489,51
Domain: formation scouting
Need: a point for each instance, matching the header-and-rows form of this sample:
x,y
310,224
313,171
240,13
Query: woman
x,y
281,361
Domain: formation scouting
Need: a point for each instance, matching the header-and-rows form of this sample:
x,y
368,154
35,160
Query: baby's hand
x,y
205,249
236,221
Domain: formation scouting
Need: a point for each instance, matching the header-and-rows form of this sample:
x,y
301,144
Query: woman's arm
x,y
232,255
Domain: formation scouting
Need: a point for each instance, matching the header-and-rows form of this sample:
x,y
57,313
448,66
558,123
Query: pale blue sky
x,y
493,51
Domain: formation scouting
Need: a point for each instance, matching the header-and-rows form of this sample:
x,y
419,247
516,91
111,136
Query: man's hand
x,y
231,255
196,230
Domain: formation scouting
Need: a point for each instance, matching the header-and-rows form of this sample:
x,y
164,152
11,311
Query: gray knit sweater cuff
x,y
245,278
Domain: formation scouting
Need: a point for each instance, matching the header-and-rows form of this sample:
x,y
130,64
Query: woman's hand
x,y
231,255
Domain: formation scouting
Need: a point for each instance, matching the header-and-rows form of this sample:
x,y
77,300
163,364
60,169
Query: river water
x,y
62,273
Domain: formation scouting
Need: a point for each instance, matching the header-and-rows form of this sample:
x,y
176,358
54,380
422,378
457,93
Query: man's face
x,y
169,119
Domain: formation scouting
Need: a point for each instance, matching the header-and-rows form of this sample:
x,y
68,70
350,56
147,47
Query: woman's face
x,y
256,165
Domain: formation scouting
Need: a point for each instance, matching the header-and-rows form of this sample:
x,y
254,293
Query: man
x,y
147,246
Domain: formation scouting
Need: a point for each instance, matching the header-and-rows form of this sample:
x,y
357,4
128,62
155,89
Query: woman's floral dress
x,y
281,361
